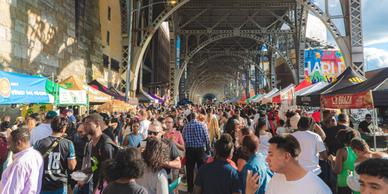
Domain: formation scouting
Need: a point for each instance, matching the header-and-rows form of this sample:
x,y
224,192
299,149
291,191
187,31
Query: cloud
x,y
375,58
380,40
375,23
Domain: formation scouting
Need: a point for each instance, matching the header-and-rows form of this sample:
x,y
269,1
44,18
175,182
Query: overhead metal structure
x,y
212,30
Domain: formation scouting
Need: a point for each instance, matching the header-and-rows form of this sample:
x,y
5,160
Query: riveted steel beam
x,y
223,36
253,31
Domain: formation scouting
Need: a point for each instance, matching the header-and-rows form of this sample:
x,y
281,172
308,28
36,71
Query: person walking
x,y
343,162
155,178
24,174
134,138
290,177
256,164
197,142
373,176
44,129
219,177
99,149
59,158
122,172
311,144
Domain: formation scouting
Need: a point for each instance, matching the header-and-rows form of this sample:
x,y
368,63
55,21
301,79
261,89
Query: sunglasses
x,y
153,133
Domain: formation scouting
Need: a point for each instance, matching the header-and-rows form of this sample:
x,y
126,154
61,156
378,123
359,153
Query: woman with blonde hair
x,y
212,125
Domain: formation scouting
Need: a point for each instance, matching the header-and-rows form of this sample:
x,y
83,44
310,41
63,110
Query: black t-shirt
x,y
55,163
80,146
363,127
118,188
104,150
331,141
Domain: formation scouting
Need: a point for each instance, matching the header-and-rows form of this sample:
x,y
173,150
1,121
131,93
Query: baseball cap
x,y
51,114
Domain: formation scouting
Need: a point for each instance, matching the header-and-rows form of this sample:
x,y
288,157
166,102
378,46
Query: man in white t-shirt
x,y
290,177
311,144
44,129
144,123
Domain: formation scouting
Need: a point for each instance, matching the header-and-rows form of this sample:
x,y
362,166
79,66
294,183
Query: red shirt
x,y
175,136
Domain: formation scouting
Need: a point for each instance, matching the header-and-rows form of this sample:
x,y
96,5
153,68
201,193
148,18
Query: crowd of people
x,y
211,149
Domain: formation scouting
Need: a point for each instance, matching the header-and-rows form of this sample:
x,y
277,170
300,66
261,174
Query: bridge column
x,y
356,36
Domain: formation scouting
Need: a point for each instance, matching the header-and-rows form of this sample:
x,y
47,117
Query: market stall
x,y
269,94
109,91
302,85
308,90
282,95
115,106
348,78
94,96
66,97
372,93
251,99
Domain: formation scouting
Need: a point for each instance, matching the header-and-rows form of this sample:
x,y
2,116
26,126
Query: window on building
x,y
109,13
105,60
107,37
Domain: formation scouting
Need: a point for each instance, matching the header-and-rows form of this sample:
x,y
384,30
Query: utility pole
x,y
129,19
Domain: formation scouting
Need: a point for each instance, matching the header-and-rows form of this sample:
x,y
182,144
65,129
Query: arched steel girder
x,y
224,36
199,88
199,83
210,73
230,54
140,51
203,72
340,40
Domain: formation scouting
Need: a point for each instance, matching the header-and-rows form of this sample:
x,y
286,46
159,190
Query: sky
x,y
375,30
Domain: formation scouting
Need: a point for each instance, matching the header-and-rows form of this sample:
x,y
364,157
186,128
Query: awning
x,y
272,92
284,96
96,96
110,91
155,97
302,85
253,98
23,89
115,106
72,83
371,93
348,78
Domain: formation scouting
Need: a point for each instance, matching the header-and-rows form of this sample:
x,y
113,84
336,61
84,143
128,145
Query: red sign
x,y
348,101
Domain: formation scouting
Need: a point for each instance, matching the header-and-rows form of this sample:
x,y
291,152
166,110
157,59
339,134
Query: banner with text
x,y
348,101
23,89
323,65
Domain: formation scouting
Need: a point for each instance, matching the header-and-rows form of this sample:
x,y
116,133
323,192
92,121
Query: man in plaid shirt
x,y
197,141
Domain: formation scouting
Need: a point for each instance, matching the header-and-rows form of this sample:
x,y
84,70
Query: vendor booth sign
x,y
72,97
348,101
23,89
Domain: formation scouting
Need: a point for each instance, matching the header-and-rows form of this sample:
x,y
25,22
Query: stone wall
x,y
43,37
